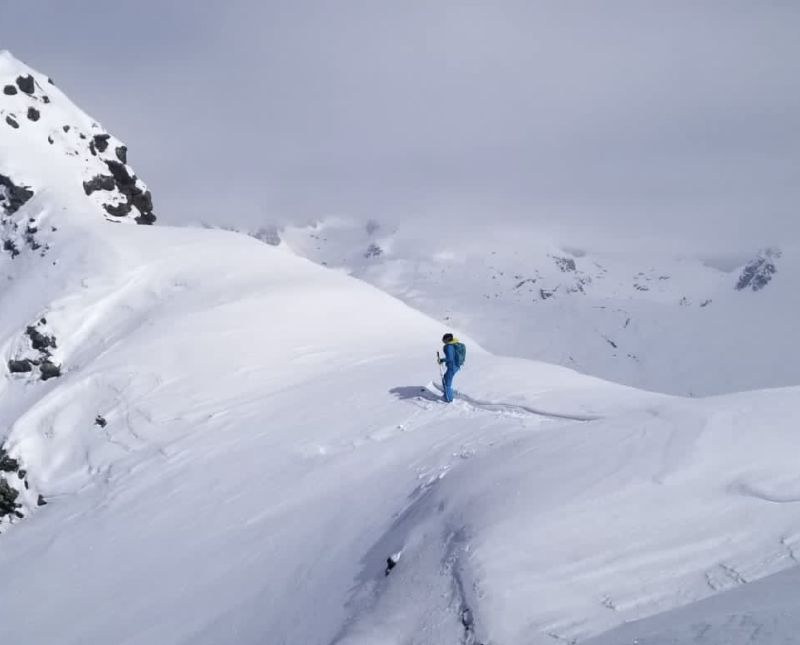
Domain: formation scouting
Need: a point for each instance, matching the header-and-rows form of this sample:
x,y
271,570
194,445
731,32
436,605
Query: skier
x,y
454,354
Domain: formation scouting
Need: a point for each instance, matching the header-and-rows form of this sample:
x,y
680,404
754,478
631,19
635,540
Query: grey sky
x,y
677,120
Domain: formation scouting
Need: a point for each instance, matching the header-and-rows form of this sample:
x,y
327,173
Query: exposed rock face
x,y
758,273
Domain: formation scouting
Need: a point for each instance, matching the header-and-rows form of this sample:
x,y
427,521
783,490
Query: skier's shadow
x,y
414,393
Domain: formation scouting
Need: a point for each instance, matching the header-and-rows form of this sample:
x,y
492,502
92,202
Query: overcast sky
x,y
677,119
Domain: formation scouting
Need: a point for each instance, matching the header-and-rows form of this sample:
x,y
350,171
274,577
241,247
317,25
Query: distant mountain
x,y
668,323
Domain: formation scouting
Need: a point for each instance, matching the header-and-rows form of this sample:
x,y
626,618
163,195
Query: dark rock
x,y
66,128
49,370
39,341
46,100
391,563
143,201
7,464
20,366
565,264
41,501
50,80
100,421
118,210
8,498
147,219
10,247
121,175
15,196
100,182
758,273
82,136
373,251
122,153
9,90
33,114
22,473
101,141
12,122
50,140
26,84
92,148
137,198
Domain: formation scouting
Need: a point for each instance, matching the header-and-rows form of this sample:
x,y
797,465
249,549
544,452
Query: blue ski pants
x,y
447,383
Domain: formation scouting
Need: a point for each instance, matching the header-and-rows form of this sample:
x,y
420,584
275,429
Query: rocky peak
x,y
48,145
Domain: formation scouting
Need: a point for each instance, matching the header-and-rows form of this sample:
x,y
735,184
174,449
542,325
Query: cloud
x,y
674,121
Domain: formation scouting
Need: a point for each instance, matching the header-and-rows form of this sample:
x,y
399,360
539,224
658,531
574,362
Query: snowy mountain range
x,y
206,439
677,324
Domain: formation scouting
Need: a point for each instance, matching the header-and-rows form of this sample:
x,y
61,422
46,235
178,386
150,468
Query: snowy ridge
x,y
243,447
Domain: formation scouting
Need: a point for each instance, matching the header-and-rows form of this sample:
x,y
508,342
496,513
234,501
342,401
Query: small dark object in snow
x,y
12,122
22,474
41,501
391,563
20,367
50,140
9,90
9,246
373,251
100,421
66,128
26,84
49,370
45,99
33,114
122,153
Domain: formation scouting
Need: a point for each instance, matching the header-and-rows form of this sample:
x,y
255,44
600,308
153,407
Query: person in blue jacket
x,y
454,355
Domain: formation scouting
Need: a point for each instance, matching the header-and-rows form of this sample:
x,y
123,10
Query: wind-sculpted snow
x,y
262,447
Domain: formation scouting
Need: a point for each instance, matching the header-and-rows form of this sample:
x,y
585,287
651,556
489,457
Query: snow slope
x,y
242,444
668,323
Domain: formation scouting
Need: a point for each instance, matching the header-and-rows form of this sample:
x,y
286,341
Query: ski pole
x,y
439,363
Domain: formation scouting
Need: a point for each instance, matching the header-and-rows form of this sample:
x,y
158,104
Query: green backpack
x,y
460,353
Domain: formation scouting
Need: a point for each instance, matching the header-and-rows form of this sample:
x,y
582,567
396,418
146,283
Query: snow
x,y
274,435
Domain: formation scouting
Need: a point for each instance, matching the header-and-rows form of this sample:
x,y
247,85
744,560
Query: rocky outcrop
x,y
12,196
37,358
758,273
28,105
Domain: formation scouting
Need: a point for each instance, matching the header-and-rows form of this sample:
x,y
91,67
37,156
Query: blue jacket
x,y
450,357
